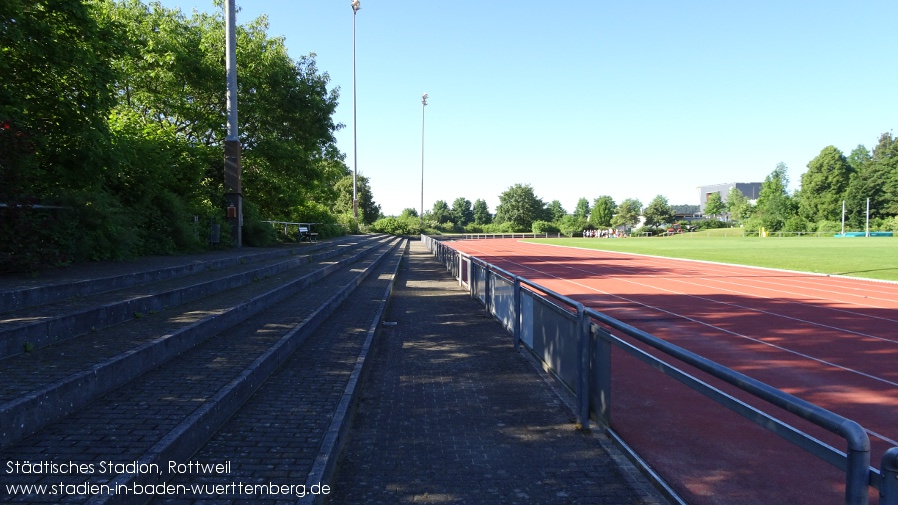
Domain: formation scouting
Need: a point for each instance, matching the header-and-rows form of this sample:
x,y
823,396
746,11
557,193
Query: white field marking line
x,y
725,273
762,281
709,325
835,277
881,437
796,302
850,370
743,307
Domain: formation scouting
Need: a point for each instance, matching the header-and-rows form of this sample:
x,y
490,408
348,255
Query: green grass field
x,y
874,258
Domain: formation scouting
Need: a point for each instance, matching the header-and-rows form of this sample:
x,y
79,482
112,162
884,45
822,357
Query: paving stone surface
x,y
451,413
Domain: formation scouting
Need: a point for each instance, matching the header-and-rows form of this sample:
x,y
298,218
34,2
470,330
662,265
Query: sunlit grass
x,y
874,258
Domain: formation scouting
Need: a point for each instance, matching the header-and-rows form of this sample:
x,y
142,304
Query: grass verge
x,y
874,258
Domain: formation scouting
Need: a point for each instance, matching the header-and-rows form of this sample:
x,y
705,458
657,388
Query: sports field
x,y
872,258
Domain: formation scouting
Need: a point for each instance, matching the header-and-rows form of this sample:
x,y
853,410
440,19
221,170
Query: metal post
x,y
888,489
518,313
867,228
355,151
602,370
843,217
583,366
232,184
423,104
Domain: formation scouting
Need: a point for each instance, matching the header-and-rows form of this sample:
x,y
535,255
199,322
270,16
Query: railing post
x,y
857,465
487,299
603,376
518,316
583,366
888,489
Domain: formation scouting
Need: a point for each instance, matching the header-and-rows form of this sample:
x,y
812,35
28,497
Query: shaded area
x,y
451,413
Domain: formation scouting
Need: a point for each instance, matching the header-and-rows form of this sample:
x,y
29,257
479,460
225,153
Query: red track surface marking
x,y
828,340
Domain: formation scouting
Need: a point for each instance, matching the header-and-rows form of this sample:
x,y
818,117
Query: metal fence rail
x,y
576,342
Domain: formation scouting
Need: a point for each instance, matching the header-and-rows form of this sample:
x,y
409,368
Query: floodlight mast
x,y
423,104
356,5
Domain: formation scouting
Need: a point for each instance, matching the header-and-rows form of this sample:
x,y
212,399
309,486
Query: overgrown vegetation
x,y
112,118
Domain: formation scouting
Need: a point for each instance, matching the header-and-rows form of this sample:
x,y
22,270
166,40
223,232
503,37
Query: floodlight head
x,y
355,6
424,98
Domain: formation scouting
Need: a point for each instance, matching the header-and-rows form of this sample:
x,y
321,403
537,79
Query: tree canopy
x,y
519,207
115,109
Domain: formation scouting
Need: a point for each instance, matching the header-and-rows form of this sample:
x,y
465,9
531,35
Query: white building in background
x,y
750,190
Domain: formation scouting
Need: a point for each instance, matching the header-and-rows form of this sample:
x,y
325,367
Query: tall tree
x,y
482,212
441,213
461,212
774,203
602,212
874,180
369,211
658,212
824,185
519,206
555,211
56,91
582,210
627,213
715,206
738,205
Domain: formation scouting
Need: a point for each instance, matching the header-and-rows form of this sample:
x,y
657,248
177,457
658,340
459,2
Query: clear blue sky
x,y
583,99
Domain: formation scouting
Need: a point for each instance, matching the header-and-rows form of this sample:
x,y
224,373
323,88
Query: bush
x,y
795,224
255,232
829,227
397,226
544,227
505,227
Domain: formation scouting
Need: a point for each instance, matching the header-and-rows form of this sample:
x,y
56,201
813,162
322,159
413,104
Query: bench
x,y
304,234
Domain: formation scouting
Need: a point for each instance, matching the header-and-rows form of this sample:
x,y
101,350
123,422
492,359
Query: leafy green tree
x,y
876,179
658,212
824,185
603,209
519,207
571,225
582,210
715,206
462,213
56,90
627,213
737,205
556,211
369,211
409,213
775,206
482,212
441,213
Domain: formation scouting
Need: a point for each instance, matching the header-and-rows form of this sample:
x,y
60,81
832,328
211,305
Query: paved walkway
x,y
450,413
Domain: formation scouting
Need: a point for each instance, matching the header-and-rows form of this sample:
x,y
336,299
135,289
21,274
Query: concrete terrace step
x,y
176,407
18,291
47,384
97,303
289,430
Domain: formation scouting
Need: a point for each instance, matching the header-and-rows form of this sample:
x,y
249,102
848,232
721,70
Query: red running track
x,y
829,340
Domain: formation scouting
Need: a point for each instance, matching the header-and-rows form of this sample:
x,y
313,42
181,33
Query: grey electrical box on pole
x,y
232,185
